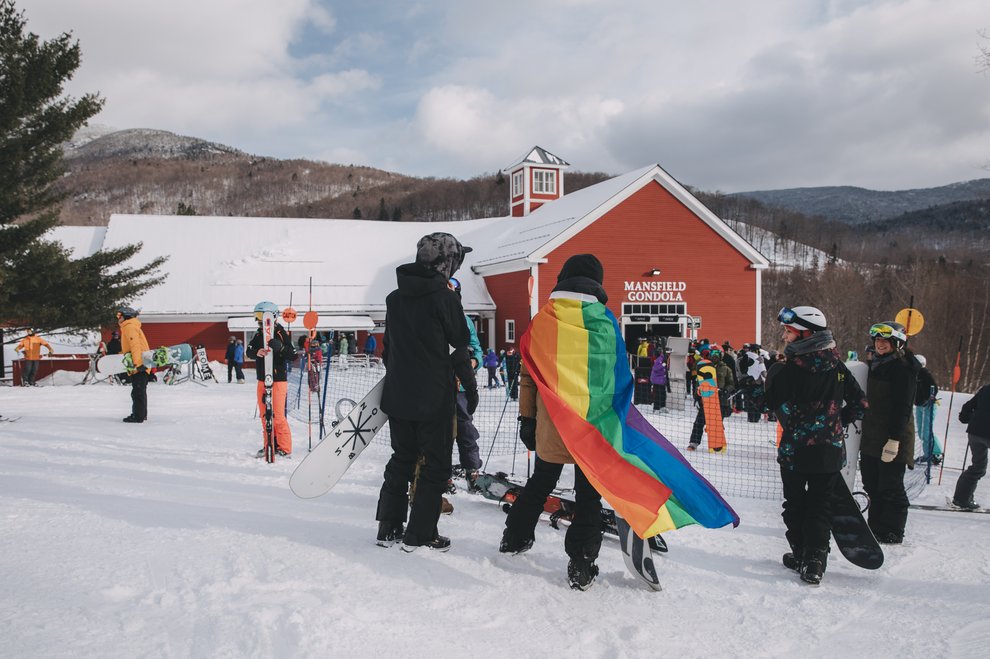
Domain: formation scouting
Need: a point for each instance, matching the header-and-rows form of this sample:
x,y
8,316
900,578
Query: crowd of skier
x,y
431,354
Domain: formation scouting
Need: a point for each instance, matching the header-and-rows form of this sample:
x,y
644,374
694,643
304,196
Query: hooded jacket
x,y
807,391
976,413
132,340
424,320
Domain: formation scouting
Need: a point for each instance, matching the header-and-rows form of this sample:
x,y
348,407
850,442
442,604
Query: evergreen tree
x,y
382,211
40,285
185,209
357,213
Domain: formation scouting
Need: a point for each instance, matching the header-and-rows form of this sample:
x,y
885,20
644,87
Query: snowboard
x,y
851,532
204,365
948,508
636,552
157,358
637,555
330,459
854,431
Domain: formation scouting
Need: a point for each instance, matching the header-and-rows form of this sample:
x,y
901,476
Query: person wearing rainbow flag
x,y
575,402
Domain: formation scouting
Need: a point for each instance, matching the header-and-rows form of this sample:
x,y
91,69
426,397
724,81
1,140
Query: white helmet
x,y
803,318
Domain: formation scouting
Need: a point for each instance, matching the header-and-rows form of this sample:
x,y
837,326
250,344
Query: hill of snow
x,y
169,539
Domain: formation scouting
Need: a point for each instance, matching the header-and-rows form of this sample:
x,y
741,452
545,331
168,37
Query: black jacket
x,y
282,352
927,389
423,321
890,388
976,413
807,391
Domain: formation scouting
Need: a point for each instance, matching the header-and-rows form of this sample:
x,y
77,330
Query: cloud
x,y
731,96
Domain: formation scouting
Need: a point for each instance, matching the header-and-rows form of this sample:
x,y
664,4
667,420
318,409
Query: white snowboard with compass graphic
x,y
330,459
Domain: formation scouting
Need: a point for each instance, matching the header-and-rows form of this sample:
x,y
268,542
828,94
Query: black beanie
x,y
582,265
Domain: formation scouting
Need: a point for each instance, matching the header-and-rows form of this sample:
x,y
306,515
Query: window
x,y
510,331
517,184
544,182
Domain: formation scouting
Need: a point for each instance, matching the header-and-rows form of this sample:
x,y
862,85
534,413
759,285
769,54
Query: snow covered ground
x,y
168,539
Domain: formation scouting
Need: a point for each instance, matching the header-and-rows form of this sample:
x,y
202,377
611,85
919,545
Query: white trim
x,y
665,180
345,323
534,299
507,339
759,307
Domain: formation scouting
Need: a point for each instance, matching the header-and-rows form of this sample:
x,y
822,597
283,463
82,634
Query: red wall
x,y
510,292
652,229
213,336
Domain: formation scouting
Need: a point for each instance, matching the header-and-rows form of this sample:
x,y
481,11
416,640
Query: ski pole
x,y
948,417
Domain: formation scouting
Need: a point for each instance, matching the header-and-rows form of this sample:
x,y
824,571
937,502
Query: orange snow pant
x,y
283,436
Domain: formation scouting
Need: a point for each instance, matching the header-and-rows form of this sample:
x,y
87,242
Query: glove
x,y
472,400
527,432
890,450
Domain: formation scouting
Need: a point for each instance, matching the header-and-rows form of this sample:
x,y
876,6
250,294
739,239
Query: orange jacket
x,y
132,340
31,347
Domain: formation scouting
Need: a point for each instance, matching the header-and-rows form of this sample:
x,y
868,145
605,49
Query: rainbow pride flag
x,y
574,351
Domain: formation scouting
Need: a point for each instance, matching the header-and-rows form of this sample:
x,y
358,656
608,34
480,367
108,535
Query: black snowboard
x,y
851,532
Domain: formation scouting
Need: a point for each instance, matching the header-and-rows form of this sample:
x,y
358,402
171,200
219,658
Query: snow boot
x,y
813,568
132,419
791,562
969,506
581,573
512,545
389,533
439,543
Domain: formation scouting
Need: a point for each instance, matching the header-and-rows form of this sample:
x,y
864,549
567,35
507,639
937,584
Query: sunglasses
x,y
885,331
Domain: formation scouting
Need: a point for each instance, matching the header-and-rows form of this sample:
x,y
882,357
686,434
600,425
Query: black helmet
x,y
890,330
127,312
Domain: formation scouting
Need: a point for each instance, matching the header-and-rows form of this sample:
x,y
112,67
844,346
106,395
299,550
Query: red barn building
x,y
670,264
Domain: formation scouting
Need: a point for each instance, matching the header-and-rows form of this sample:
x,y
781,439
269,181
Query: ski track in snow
x,y
168,539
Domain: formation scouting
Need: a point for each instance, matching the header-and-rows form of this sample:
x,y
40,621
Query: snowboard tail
x,y
851,532
330,459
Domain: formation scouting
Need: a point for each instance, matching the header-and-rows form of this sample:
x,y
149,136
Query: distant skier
x,y
133,341
282,353
976,414
30,346
807,392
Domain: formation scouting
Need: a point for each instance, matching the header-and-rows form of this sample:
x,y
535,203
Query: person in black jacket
x,y
976,413
282,352
424,321
807,391
887,446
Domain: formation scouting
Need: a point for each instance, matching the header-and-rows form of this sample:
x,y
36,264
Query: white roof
x,y
80,241
223,266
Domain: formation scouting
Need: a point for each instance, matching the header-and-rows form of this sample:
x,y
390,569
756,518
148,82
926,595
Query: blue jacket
x,y
491,359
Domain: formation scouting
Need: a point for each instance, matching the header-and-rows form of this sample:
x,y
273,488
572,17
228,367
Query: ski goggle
x,y
454,284
885,331
786,316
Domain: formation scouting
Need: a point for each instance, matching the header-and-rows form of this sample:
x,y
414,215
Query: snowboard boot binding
x,y
581,572
389,533
813,568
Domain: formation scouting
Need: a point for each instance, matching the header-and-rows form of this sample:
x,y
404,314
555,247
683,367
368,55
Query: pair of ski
x,y
637,553
949,507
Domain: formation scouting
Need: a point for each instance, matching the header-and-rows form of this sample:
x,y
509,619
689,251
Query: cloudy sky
x,y
725,95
